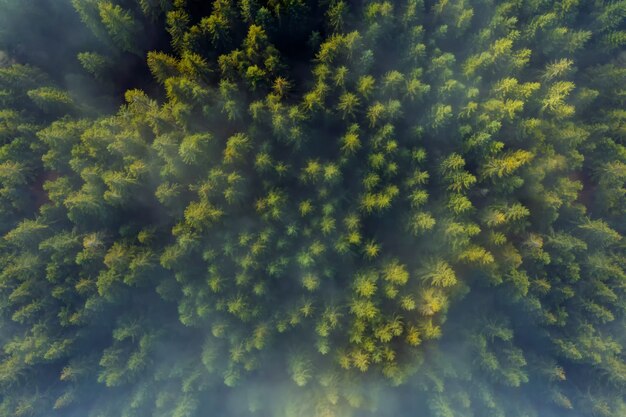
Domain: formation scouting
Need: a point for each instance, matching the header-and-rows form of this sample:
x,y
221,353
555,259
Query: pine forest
x,y
312,208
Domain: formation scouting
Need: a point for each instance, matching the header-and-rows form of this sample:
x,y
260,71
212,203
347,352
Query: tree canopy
x,y
312,208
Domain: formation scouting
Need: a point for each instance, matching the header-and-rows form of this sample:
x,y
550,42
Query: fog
x,y
312,208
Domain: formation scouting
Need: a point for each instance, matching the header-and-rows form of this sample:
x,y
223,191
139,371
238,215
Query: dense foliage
x,y
313,208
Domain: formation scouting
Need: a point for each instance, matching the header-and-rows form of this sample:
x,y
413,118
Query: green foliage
x,y
317,209
51,100
94,63
120,25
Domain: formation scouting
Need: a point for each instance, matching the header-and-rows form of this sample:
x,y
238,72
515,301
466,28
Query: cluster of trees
x,y
316,208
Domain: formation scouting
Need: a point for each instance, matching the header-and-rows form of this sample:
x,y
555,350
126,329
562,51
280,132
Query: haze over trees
x,y
312,208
